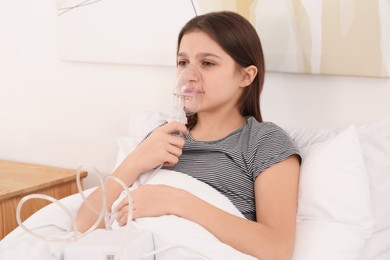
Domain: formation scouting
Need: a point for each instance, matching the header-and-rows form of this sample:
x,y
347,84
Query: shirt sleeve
x,y
271,145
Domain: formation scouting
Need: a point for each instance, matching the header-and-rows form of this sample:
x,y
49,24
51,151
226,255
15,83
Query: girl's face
x,y
222,81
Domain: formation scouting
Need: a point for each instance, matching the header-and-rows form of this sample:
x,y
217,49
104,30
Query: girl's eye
x,y
181,63
207,63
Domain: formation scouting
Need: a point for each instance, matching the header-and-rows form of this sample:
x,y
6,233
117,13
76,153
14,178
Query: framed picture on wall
x,y
340,37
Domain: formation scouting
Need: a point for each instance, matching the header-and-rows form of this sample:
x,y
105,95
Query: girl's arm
x,y
159,148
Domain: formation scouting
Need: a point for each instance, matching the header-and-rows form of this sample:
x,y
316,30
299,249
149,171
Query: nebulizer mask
x,y
188,93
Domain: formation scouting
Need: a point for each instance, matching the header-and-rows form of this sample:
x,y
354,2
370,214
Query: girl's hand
x,y
161,147
151,201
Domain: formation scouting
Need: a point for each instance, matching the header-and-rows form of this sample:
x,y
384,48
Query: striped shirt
x,y
231,164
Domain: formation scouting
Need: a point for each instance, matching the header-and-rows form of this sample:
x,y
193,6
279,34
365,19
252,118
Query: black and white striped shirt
x,y
232,163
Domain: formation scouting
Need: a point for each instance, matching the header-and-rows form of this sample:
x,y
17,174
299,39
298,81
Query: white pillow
x,y
334,218
375,143
375,140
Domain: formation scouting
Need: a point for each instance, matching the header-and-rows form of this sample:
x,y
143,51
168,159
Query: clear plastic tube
x,y
157,251
103,213
51,199
77,235
129,215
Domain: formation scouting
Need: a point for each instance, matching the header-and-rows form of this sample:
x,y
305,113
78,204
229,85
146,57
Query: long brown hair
x,y
239,39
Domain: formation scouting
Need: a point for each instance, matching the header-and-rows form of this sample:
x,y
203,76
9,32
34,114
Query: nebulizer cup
x,y
187,93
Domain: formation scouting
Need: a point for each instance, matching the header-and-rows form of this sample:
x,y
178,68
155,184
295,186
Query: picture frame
x,y
340,37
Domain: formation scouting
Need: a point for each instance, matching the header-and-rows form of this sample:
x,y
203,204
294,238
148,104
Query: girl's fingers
x,y
121,205
175,151
174,127
171,160
122,216
166,144
176,141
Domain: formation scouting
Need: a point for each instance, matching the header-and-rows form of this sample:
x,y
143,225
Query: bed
x,y
343,208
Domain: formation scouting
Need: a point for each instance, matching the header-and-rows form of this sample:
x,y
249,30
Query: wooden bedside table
x,y
20,179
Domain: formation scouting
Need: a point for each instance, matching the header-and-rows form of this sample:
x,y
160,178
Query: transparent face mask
x,y
187,93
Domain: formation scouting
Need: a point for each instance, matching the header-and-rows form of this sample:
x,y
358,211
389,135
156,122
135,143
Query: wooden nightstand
x,y
20,179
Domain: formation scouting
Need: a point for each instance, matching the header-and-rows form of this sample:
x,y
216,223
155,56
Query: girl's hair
x,y
239,39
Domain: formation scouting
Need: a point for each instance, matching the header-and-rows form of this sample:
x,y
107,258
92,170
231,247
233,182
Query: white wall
x,y
65,114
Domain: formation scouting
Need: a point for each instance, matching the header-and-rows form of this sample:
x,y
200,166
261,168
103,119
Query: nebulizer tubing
x,y
51,199
103,213
157,251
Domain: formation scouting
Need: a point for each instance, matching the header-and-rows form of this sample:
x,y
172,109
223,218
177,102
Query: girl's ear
x,y
248,75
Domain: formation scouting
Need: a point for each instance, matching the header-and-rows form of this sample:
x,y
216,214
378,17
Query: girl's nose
x,y
190,81
191,73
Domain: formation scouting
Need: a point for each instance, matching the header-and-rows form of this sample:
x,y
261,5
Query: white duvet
x,y
167,230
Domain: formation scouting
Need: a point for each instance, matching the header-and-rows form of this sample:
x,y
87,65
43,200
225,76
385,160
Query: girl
x,y
225,144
